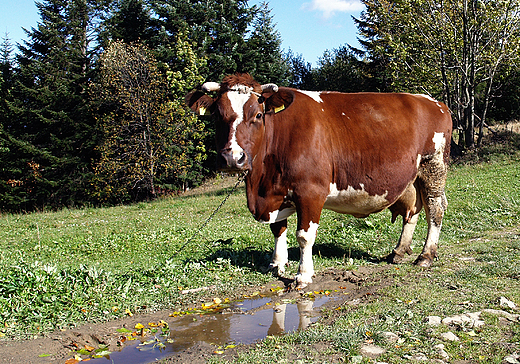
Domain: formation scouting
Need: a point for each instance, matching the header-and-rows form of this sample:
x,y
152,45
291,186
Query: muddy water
x,y
249,321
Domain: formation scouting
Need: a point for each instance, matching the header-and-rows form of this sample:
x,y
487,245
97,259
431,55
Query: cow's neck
x,y
255,178
264,188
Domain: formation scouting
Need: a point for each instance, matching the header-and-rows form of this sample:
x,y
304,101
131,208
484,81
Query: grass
x,y
60,269
64,268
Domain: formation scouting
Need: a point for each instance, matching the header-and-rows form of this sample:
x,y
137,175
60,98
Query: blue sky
x,y
307,27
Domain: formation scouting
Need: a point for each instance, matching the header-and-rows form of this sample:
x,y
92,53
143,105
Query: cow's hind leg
x,y
280,255
408,206
403,246
432,174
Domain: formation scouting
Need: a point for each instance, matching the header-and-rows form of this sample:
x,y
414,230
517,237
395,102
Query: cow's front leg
x,y
280,255
305,236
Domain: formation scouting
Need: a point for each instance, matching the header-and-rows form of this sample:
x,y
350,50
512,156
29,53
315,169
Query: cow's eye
x,y
259,115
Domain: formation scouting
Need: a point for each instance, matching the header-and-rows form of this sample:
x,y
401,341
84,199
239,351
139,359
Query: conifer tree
x,y
263,57
217,27
340,70
8,158
50,117
130,21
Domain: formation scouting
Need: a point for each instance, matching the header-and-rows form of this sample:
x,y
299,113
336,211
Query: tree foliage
x,y
149,137
49,129
452,49
340,70
134,122
263,58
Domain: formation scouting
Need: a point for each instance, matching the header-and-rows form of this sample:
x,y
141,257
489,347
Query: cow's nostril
x,y
242,159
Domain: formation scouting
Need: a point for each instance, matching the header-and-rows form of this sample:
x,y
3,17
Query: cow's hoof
x,y
394,258
277,270
397,258
302,281
423,262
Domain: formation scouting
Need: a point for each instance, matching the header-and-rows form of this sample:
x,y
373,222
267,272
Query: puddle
x,y
260,317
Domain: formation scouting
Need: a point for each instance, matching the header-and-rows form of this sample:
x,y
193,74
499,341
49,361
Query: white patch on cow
x,y
353,201
306,241
440,141
238,100
343,113
433,100
280,215
418,160
428,97
309,234
280,255
315,95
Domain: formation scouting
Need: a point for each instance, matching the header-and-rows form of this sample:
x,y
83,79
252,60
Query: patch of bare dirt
x,y
219,183
346,287
512,127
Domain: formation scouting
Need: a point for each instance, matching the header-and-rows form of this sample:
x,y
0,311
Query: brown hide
x,y
365,139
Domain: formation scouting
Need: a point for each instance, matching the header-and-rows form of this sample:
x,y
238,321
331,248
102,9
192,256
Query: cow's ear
x,y
199,102
279,101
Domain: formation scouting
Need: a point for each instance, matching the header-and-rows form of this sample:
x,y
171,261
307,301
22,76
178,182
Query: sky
x,y
307,27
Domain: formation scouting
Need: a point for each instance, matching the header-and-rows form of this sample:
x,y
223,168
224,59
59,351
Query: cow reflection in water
x,y
279,314
253,325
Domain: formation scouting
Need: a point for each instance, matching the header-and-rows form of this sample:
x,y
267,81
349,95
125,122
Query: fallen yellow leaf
x,y
139,326
128,312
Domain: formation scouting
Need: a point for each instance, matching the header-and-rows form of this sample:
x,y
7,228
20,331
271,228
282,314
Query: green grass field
x,y
60,269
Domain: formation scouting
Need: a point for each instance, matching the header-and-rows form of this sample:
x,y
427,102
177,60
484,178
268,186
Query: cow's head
x,y
238,109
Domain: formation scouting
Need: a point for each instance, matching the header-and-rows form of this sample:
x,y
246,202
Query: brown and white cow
x,y
355,154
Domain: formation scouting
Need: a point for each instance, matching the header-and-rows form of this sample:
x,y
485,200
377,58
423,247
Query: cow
x,y
352,153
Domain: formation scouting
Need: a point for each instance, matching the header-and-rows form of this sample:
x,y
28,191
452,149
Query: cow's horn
x,y
211,86
269,87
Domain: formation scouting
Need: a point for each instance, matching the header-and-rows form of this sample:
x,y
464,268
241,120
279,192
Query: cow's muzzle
x,y
233,160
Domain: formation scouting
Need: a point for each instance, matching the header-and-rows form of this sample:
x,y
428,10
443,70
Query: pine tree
x,y
8,158
50,117
217,27
340,70
263,57
301,73
130,21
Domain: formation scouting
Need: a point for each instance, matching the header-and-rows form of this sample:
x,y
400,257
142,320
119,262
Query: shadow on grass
x,y
259,259
334,251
